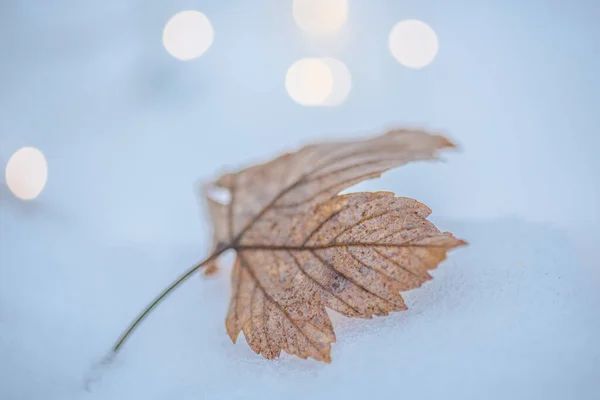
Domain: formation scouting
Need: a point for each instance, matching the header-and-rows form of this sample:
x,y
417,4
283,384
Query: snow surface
x,y
128,131
513,315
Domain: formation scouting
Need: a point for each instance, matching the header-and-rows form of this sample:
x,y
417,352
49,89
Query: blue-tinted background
x,y
129,132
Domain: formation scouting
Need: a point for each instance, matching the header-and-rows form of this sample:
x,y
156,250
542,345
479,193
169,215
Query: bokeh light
x,y
320,16
188,35
26,173
309,81
413,43
342,82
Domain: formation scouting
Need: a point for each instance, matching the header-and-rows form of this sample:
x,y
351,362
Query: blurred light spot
x,y
188,35
342,82
26,173
309,81
413,43
320,16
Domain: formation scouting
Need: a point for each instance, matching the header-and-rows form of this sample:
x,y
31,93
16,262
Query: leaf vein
x,y
283,310
376,270
392,261
321,286
364,220
325,263
305,201
326,220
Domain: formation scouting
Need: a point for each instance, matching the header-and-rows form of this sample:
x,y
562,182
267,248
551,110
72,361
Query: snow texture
x,y
128,131
513,315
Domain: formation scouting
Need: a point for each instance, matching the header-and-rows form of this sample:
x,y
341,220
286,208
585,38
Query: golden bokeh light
x,y
187,35
342,82
413,43
320,17
27,173
309,81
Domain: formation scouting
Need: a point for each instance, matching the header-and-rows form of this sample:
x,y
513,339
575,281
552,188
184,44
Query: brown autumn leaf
x,y
302,248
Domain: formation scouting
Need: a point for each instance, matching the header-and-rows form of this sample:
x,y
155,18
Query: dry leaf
x,y
301,247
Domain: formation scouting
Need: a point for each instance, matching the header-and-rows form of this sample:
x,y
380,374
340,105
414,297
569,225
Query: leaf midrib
x,y
331,245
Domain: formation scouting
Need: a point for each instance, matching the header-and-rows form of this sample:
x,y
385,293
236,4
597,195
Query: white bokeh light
x,y
188,35
320,16
26,173
413,43
342,82
309,81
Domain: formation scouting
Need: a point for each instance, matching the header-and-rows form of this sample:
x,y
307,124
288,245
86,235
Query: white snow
x,y
513,315
128,131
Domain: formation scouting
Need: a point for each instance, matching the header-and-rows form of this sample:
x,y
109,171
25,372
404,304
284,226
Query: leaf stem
x,y
159,298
